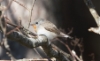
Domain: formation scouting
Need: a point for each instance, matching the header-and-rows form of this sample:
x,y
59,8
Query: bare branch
x,y
12,30
31,13
95,30
40,41
6,8
8,5
92,11
21,5
95,16
69,50
30,60
5,44
74,53
6,47
22,29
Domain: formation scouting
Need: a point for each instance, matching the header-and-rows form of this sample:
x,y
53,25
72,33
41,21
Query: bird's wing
x,y
51,27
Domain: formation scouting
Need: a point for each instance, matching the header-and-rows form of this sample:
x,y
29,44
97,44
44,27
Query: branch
x,y
92,11
95,16
53,51
31,13
23,30
4,39
30,60
21,5
42,40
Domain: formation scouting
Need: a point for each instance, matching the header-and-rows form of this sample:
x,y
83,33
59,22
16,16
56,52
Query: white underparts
x,y
50,35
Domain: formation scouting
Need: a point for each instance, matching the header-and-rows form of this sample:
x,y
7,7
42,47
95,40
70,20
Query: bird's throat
x,y
35,28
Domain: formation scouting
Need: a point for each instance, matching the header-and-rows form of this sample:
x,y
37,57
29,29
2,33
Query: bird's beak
x,y
34,27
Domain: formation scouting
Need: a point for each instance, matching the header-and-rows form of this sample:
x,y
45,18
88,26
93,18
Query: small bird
x,y
42,26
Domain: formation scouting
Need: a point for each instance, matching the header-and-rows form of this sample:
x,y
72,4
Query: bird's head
x,y
37,23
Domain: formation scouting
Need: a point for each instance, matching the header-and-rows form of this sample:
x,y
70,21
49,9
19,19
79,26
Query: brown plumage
x,y
50,27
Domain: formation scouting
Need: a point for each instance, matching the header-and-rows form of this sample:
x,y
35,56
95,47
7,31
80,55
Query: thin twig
x,y
12,30
30,22
9,5
44,59
37,52
76,56
6,47
5,44
21,5
7,20
69,51
31,13
6,8
1,43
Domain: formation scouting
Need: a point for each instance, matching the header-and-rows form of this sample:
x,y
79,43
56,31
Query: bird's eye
x,y
36,22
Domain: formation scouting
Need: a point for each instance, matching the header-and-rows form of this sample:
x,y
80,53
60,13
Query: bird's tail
x,y
65,35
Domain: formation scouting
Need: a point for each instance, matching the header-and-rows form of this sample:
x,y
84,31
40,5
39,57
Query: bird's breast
x,y
50,35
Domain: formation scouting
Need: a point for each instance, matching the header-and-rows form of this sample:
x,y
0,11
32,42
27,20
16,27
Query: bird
x,y
43,26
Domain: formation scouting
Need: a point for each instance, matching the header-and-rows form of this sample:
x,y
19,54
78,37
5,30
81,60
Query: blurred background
x,y
65,14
